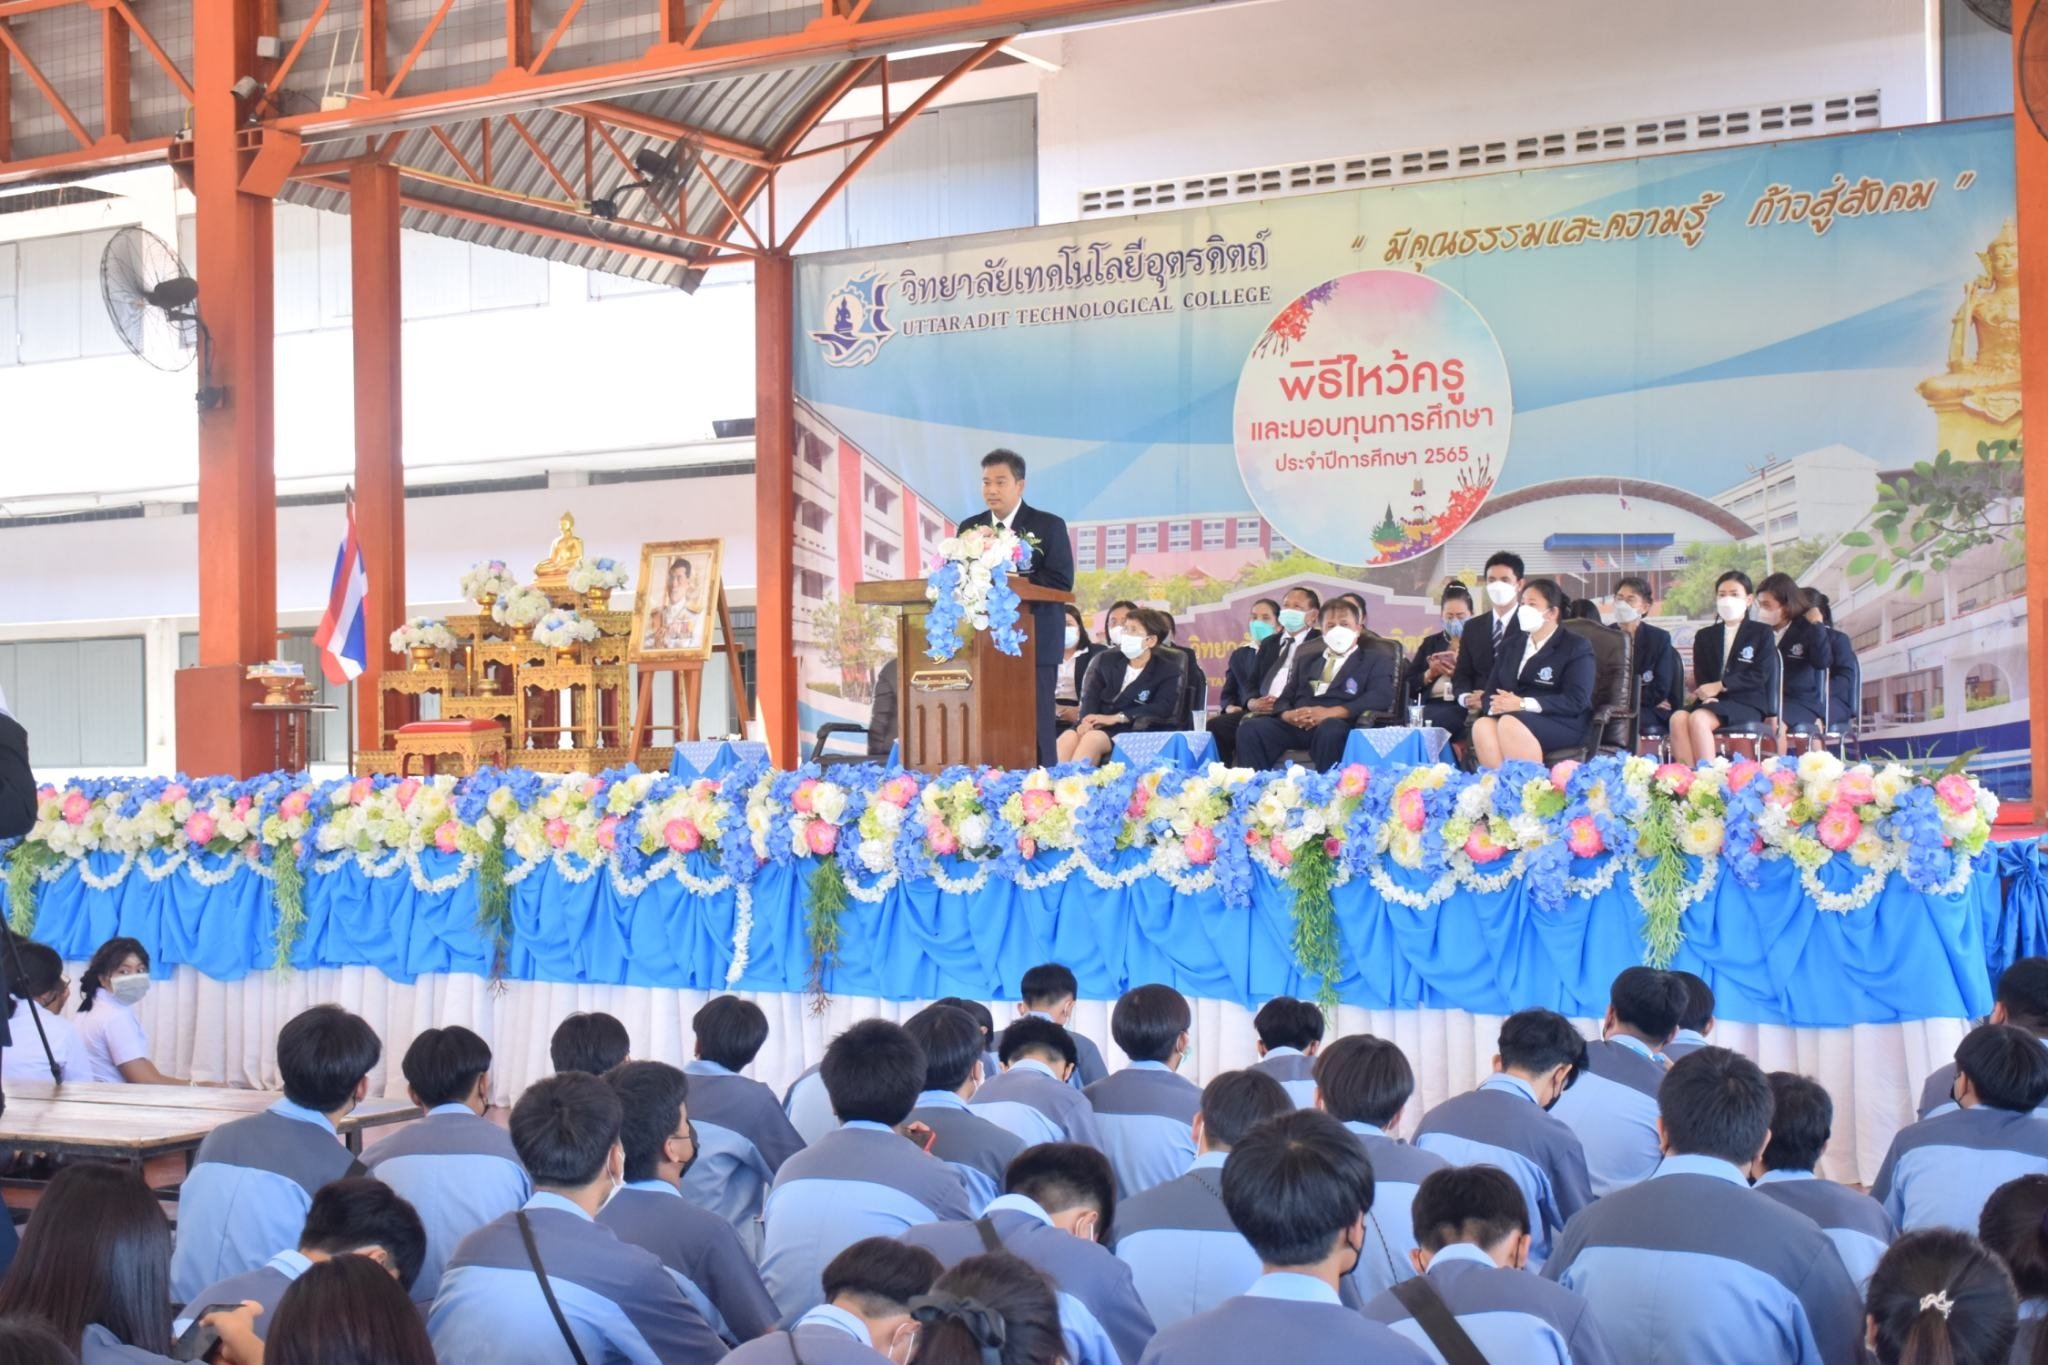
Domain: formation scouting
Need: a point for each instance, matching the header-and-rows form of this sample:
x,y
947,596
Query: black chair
x,y
1766,729
879,733
1840,731
1617,692
1188,680
1379,644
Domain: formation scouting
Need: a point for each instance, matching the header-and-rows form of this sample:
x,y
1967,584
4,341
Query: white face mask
x,y
1624,613
1500,592
129,990
1073,636
1770,616
1132,645
1340,639
1731,609
1529,618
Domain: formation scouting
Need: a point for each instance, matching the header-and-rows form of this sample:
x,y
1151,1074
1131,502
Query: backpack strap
x,y
548,1290
1437,1322
990,1239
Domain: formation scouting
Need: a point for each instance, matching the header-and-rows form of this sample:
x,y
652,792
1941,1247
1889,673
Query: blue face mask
x,y
1454,627
1260,630
1292,619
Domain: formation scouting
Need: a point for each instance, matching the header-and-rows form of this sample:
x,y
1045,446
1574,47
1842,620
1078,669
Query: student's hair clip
x,y
983,1324
1939,1301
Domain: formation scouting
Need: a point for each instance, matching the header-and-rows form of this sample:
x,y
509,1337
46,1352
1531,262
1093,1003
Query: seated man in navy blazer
x,y
1337,685
1052,566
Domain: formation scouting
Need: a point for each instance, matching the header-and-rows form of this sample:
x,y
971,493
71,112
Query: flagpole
x,y
1623,498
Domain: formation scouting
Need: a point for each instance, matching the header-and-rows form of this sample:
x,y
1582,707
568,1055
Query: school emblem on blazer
x,y
1649,675
1351,687
1145,695
1543,674
1797,651
1748,654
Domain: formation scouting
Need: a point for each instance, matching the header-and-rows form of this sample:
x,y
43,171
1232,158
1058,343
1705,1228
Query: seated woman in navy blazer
x,y
1137,681
1080,651
1540,696
1805,653
1731,673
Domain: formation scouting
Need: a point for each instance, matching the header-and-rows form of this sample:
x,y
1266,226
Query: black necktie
x,y
1500,628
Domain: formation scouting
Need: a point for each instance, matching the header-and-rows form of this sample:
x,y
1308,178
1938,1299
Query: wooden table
x,y
137,1123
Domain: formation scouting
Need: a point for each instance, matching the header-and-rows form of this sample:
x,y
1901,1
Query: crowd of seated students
x,y
1643,1196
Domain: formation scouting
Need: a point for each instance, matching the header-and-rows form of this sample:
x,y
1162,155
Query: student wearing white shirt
x,y
39,994
116,1045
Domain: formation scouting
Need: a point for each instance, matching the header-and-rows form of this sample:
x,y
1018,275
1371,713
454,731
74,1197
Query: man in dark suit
x,y
1052,566
1337,683
1272,669
1429,672
1653,656
17,783
1489,633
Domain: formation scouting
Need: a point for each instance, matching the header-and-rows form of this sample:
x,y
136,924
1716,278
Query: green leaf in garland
x,y
1316,946
494,904
1662,885
288,882
25,868
821,926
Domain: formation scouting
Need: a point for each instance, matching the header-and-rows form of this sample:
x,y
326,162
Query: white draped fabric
x,y
225,1031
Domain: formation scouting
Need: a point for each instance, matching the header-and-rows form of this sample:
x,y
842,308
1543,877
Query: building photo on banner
x,y
1797,357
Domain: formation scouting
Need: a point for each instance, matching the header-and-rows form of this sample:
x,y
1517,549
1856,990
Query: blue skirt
x,y
1553,732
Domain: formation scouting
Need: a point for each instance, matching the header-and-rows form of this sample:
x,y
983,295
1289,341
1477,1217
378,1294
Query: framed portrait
x,y
675,602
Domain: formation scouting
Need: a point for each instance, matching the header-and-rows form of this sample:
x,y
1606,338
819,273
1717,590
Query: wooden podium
x,y
981,705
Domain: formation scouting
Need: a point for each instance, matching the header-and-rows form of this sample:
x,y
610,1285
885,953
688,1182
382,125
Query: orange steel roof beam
x,y
547,49
633,121
619,154
291,57
419,46
541,156
114,110
154,48
41,82
812,117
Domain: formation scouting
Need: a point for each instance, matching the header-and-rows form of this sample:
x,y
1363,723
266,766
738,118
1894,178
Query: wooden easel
x,y
687,678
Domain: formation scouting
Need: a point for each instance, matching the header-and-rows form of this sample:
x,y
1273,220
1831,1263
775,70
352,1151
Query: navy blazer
x,y
1268,661
1474,672
1363,687
1559,676
1843,703
1418,665
1052,566
1153,695
1806,653
1657,664
17,783
1241,675
1747,681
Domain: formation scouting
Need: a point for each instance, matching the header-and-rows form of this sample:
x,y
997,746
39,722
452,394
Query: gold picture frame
x,y
667,631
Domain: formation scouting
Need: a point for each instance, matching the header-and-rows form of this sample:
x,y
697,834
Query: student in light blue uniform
x,y
2014,1228
1031,1097
863,1180
1696,1024
1504,1123
619,1302
95,1265
1365,1083
1049,991
1472,1234
865,1318
1289,1032
2022,1001
1299,1188
592,1043
1055,1209
697,1247
1939,1294
254,1178
1613,1105
978,1151
807,1107
1940,1171
455,1166
743,1137
1692,1264
1185,1254
1146,1112
1802,1119
355,1217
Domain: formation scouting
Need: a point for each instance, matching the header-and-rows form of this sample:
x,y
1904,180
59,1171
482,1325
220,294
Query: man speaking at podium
x,y
1052,566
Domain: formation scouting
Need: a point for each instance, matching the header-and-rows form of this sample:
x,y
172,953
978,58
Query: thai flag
x,y
343,653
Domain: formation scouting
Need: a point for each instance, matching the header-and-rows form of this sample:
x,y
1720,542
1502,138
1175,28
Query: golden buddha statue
x,y
1978,398
563,556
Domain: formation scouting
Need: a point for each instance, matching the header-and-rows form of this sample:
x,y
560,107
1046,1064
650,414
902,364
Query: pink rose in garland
x,y
1741,774
1561,775
1037,801
1410,810
1584,839
293,805
1353,780
1956,793
76,808
608,832
448,836
898,791
821,837
682,836
1839,826
1277,848
941,838
1675,778
174,793
1480,845
359,791
200,828
1855,789
405,791
801,797
1200,845
558,832
1784,789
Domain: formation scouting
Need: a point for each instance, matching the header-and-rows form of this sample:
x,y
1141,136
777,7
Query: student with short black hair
x,y
350,1217
978,1151
1055,1212
39,989
1290,1031
989,1310
1802,1119
454,1166
1940,1170
1613,1107
1032,1097
1185,1254
2014,1228
1939,1297
1471,1230
1694,1255
1050,991
254,1178
743,1136
2022,1001
617,1301
1697,1022
1146,1111
861,1180
1506,1122
701,1250
1299,1188
865,1318
592,1042
1365,1083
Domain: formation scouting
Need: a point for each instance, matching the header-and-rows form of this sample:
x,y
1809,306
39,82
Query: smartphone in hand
x,y
200,1339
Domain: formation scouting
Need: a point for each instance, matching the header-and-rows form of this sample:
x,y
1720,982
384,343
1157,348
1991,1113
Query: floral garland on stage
x,y
969,588
1417,835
